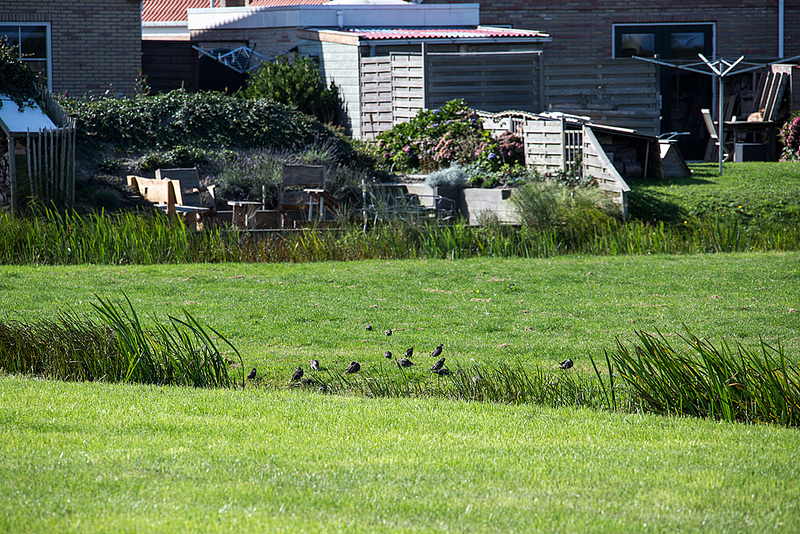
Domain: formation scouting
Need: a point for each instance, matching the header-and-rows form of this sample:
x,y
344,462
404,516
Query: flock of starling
x,y
404,362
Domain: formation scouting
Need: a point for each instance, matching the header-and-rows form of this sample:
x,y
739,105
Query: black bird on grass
x,y
369,328
404,362
315,365
438,365
566,364
354,367
443,371
389,332
409,352
252,374
387,355
298,374
437,351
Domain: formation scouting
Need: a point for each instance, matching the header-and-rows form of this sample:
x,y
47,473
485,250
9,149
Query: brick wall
x,y
95,44
583,29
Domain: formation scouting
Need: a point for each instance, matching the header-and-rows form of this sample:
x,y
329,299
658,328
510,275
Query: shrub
x,y
437,138
203,120
542,205
180,156
297,83
453,176
17,80
790,137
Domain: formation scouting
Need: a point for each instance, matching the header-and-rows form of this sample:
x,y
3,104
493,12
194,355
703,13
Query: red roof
x,y
445,33
175,10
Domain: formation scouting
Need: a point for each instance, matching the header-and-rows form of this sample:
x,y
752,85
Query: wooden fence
x,y
49,162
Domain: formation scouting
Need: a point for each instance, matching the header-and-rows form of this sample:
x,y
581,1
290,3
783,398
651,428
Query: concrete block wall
x,y
95,44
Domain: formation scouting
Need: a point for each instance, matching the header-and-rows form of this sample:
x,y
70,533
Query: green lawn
x,y
97,457
756,193
532,311
116,458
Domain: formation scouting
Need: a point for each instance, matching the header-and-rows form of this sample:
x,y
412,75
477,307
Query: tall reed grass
x,y
120,349
131,238
705,380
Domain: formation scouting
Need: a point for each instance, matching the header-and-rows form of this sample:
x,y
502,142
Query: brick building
x,y
78,46
674,30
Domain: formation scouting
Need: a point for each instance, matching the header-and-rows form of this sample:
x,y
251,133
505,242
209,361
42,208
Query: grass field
x,y
115,458
532,311
95,457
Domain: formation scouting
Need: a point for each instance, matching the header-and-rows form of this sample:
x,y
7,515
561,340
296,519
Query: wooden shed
x,y
386,76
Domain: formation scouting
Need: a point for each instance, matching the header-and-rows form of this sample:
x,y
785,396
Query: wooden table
x,y
757,132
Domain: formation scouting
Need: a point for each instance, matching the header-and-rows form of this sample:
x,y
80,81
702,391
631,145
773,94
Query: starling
x,y
298,374
438,365
437,351
566,364
315,365
252,374
389,332
404,362
354,367
443,372
387,355
409,352
369,328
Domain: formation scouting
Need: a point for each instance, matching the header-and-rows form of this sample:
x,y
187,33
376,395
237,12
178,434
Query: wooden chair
x,y
302,192
188,191
714,143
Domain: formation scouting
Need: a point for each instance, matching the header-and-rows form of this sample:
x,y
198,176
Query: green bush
x,y
17,80
295,82
180,156
203,120
547,204
438,138
453,176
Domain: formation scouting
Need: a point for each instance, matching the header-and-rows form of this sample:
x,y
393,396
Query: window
x,y
664,41
34,45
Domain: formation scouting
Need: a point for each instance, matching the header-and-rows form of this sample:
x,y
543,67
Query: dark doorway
x,y
683,94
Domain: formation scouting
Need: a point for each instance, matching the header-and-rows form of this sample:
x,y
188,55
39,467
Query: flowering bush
x,y
790,137
452,134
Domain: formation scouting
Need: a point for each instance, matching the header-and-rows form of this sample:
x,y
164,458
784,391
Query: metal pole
x,y
721,122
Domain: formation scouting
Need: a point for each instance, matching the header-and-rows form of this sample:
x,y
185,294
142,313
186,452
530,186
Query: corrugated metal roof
x,y
175,10
169,10
444,33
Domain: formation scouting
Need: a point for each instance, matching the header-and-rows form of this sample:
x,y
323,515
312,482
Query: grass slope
x,y
756,193
533,311
101,458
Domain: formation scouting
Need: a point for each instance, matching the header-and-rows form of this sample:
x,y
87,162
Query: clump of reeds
x,y
504,383
705,380
120,349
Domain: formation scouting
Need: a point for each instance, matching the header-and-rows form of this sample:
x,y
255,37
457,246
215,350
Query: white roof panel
x,y
29,119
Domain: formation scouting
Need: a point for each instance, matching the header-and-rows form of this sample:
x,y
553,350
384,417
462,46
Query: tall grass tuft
x,y
131,238
118,350
705,380
505,383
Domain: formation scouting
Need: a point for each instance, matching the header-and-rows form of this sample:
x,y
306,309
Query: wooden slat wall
x,y
407,86
169,65
376,96
597,165
616,92
489,82
543,145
